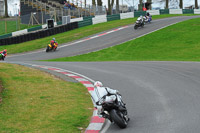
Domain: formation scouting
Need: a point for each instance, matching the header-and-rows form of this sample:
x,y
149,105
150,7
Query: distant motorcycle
x,y
51,48
116,112
138,23
2,56
147,19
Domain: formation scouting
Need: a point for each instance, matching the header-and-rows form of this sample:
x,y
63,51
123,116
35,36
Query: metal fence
x,y
9,25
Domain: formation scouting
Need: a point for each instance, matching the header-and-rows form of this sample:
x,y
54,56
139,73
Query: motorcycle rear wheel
x,y
120,121
47,50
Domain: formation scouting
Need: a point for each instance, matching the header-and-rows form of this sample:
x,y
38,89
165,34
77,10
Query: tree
x,y
6,8
141,4
99,2
93,2
167,4
196,4
181,4
110,5
117,6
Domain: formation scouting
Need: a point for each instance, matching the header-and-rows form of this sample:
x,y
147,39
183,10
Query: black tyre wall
x,y
38,34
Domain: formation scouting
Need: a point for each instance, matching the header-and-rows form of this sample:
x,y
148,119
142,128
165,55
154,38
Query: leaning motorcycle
x,y
138,24
2,57
51,48
116,112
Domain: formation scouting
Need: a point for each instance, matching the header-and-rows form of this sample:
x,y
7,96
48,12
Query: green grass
x,y
73,35
179,42
34,101
12,26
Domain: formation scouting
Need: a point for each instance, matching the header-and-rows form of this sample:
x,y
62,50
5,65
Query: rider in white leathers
x,y
104,94
140,19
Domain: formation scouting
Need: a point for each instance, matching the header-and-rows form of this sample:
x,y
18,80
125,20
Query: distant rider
x,y
105,94
3,53
148,17
52,42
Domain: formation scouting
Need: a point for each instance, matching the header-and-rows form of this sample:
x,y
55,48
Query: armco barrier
x,y
5,35
89,17
113,17
188,11
85,23
59,23
34,28
138,13
164,11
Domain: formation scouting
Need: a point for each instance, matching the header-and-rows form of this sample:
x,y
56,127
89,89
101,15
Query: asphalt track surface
x,y
161,97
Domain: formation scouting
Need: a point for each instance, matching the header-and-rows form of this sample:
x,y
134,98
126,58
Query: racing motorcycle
x,y
51,48
2,56
116,112
138,23
147,19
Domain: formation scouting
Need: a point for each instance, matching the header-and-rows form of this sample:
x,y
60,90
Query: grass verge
x,y
179,42
34,101
12,26
75,34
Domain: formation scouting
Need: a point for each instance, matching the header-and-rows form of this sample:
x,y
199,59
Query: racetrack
x,y
161,97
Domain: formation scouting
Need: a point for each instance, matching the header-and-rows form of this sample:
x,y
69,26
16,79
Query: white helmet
x,y
98,84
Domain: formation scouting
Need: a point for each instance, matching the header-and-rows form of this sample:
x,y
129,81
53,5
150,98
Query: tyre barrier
x,y
38,34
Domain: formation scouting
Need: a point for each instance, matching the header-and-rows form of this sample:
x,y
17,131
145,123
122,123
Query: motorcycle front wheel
x,y
55,49
116,116
135,27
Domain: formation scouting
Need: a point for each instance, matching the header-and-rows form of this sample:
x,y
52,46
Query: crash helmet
x,y
4,51
54,39
98,84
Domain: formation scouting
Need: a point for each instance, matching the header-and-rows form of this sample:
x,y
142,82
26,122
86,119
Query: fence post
x,y
89,11
42,17
55,14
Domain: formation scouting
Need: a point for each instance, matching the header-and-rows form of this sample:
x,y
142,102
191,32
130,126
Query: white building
x,y
1,7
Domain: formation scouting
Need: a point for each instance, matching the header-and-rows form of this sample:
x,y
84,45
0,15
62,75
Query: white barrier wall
x,y
99,19
44,26
76,19
19,32
154,12
126,15
175,11
196,11
55,23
